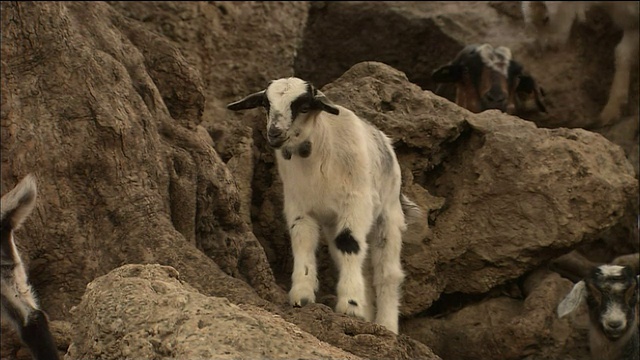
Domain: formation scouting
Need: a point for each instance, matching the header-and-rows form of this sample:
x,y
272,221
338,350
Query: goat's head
x,y
289,103
488,78
611,292
16,206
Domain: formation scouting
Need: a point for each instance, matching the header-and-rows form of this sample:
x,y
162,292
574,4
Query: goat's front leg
x,y
349,250
626,53
305,233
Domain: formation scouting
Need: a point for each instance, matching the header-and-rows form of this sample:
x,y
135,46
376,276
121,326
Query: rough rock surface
x,y
130,178
506,327
146,311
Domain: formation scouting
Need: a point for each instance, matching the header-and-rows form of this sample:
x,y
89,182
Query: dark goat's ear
x,y
527,85
447,74
324,104
250,102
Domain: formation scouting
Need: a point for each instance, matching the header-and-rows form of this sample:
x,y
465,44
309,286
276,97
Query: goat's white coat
x,y
561,14
350,180
342,185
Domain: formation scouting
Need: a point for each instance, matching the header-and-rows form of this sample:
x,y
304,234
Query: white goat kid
x,y
19,304
341,177
553,19
611,293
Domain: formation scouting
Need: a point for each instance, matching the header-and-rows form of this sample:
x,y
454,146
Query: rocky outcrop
x,y
118,108
520,326
106,115
147,311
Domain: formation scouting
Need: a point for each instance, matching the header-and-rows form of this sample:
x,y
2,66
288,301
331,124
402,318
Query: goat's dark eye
x,y
305,108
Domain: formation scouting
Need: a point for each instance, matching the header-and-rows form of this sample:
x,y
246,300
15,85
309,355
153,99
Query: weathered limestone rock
x,y
147,311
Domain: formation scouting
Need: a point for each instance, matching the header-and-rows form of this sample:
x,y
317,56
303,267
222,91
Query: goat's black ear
x,y
324,104
526,84
514,76
250,102
447,74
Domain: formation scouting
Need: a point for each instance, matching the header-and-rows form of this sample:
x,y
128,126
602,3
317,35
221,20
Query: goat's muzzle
x,y
614,329
275,137
495,99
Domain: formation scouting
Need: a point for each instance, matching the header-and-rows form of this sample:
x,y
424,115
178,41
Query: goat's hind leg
x,y
305,234
626,52
387,269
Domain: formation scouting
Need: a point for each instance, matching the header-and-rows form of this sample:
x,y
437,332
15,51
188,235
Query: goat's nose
x,y
614,325
274,132
496,96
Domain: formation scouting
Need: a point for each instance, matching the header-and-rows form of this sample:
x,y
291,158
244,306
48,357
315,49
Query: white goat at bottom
x,y
553,20
19,303
611,293
341,178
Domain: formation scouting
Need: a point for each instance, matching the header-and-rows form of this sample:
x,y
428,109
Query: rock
x,y
506,328
108,123
147,311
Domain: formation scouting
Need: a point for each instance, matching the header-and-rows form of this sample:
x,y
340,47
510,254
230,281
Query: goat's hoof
x,y
301,303
300,297
609,114
352,308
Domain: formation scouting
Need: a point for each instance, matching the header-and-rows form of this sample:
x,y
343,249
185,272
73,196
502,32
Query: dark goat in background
x,y
488,78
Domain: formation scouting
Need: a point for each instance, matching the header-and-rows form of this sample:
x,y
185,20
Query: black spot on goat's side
x,y
346,243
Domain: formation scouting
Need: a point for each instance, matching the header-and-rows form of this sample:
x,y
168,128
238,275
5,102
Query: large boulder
x,y
521,326
147,311
106,115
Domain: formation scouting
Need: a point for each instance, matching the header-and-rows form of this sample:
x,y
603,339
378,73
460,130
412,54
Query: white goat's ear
x,y
325,104
250,102
573,299
18,203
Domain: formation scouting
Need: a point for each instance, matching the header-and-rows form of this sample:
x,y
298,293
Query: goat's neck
x,y
603,348
318,136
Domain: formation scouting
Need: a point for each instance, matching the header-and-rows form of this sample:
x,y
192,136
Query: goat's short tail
x,y
412,212
416,220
